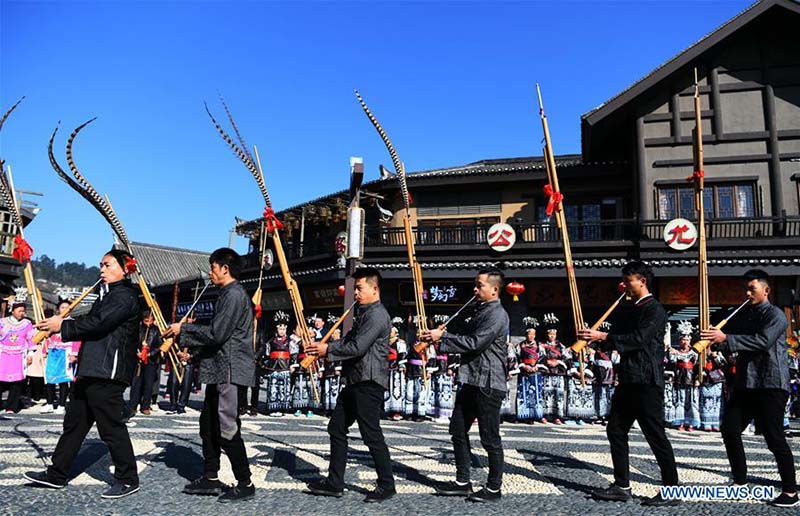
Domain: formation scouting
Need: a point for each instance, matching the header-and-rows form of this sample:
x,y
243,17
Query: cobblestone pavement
x,y
549,469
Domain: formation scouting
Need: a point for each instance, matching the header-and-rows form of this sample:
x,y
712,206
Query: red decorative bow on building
x,y
696,175
22,250
553,198
272,221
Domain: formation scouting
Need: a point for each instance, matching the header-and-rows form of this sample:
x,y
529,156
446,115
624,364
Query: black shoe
x,y
42,478
659,501
380,494
484,495
612,493
120,490
238,493
180,410
322,488
253,412
785,500
452,488
204,486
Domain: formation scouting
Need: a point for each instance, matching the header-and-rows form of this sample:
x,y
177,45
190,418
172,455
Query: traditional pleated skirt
x,y
395,395
443,396
580,400
554,399
416,399
303,392
669,403
687,406
331,388
602,399
278,389
710,405
529,397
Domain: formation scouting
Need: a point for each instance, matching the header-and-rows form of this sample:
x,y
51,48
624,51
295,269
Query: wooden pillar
x,y
775,178
640,171
713,79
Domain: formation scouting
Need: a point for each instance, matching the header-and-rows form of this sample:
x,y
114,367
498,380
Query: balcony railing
x,y
294,251
621,230
584,231
766,227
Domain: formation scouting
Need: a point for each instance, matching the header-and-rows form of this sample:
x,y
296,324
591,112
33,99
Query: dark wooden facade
x,y
629,179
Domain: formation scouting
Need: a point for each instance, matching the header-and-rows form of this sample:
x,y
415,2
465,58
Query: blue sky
x,y
451,82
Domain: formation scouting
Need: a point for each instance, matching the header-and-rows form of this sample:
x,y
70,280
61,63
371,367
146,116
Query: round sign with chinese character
x,y
680,234
340,243
501,237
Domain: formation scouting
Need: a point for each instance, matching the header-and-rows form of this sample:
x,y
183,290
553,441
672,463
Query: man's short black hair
x,y
641,269
229,257
146,314
756,274
371,274
495,276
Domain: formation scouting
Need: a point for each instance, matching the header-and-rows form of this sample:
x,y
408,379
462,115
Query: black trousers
x,y
220,429
14,392
63,391
484,404
766,407
142,387
180,391
645,404
361,402
35,387
155,390
95,400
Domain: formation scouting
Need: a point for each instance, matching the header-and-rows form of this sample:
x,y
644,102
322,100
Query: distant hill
x,y
68,273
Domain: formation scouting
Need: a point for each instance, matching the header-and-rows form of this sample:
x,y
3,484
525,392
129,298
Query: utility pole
x,y
355,235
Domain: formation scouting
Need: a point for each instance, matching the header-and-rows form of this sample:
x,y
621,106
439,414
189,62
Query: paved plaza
x,y
549,469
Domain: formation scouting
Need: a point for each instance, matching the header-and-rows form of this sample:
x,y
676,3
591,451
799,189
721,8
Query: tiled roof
x,y
686,55
162,265
483,167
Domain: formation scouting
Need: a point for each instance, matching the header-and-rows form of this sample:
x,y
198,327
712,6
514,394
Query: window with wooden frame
x,y
457,204
721,200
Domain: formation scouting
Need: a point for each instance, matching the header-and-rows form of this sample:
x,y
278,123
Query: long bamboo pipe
x,y
40,335
311,359
701,345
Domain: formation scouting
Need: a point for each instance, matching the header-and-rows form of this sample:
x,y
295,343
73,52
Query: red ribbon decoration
x,y
272,221
553,198
696,175
22,250
131,265
257,311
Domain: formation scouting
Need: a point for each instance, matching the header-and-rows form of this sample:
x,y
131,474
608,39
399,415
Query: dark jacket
x,y
109,334
152,337
225,347
759,337
642,349
364,351
483,347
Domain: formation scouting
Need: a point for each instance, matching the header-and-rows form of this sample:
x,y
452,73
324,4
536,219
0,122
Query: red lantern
x,y
515,289
340,290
